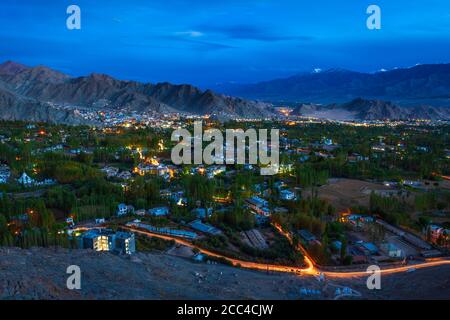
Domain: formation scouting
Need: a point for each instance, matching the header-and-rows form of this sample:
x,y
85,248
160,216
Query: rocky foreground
x,y
41,274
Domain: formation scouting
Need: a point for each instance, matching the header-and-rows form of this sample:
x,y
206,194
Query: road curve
x,y
310,268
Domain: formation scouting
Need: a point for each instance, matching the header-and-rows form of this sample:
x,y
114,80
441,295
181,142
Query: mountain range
x,y
42,94
363,109
419,85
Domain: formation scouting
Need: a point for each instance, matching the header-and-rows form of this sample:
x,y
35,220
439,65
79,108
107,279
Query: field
x,y
347,193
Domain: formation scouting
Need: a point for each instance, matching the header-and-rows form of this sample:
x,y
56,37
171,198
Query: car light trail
x,y
310,268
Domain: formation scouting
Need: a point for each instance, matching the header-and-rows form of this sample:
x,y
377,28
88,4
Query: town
x,y
346,195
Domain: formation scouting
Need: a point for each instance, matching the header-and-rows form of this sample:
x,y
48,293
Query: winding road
x,y
310,268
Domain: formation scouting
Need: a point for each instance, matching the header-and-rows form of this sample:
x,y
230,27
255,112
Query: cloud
x,y
251,32
190,37
180,41
190,33
205,45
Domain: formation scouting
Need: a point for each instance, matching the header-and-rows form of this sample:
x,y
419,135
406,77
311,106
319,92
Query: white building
x,y
160,211
125,243
25,180
215,170
110,171
99,220
392,250
125,175
5,173
122,209
287,195
140,212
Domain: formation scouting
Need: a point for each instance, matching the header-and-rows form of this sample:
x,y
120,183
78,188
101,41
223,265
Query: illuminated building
x,y
125,243
98,240
107,240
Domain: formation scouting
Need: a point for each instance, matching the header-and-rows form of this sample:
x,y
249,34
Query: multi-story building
x,y
125,243
98,240
108,240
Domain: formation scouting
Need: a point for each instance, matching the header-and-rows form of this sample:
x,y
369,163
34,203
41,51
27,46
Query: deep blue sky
x,y
204,42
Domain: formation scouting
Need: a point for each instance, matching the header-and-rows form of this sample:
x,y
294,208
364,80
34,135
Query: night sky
x,y
209,42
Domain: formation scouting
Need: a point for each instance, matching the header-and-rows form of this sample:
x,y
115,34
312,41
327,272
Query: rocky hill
x,y
40,273
42,94
42,85
14,107
418,85
362,109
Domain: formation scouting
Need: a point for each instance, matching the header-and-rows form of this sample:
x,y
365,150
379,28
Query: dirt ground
x,y
41,274
424,284
346,193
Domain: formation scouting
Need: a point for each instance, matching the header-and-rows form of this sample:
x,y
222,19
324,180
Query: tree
x,y
343,252
5,236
